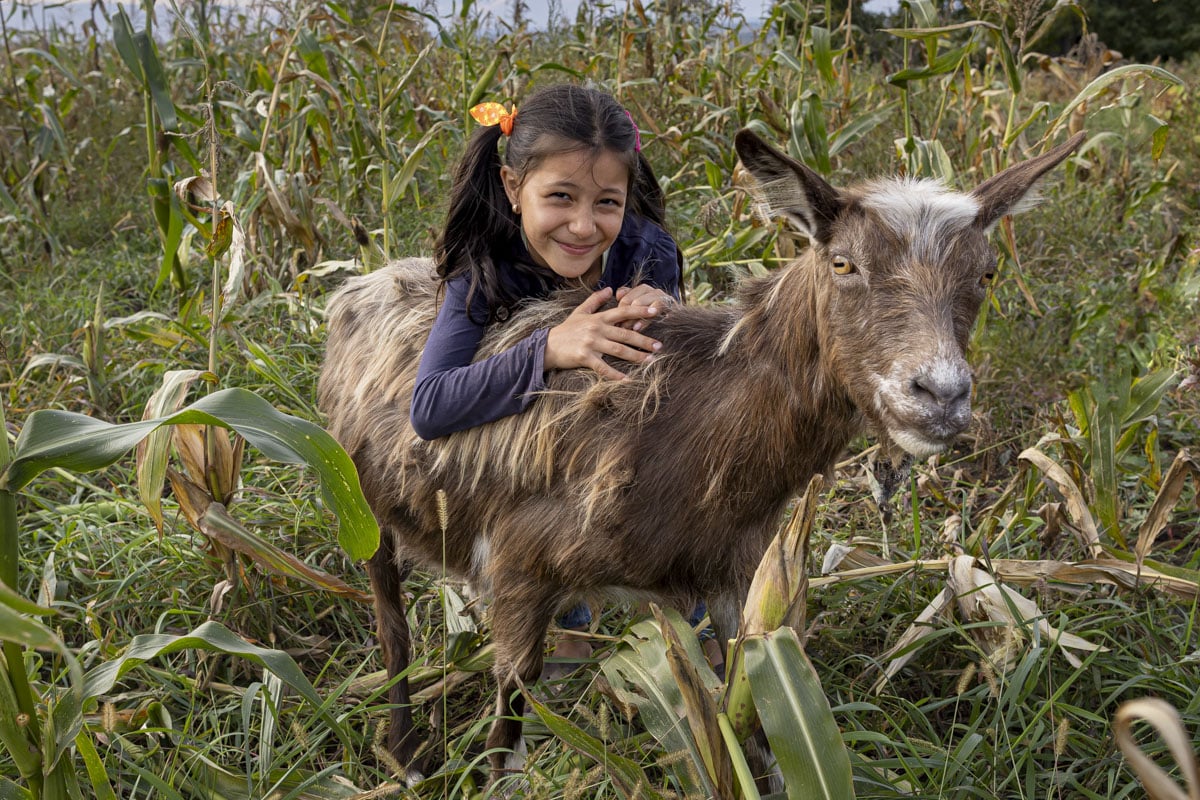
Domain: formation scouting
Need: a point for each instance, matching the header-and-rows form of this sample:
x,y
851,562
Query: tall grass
x,y
331,130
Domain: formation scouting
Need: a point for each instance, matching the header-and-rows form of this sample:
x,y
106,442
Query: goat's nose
x,y
946,387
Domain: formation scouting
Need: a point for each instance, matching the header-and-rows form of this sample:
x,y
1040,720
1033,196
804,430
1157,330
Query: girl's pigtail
x,y
478,216
648,199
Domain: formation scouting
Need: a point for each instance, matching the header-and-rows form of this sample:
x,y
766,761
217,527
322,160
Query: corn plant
x,y
43,743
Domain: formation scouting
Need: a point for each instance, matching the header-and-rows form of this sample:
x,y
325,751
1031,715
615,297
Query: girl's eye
x,y
843,265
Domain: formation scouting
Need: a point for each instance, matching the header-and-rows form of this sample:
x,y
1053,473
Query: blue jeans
x,y
581,616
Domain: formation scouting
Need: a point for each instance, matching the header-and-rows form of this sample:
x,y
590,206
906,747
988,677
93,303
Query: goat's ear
x,y
1015,189
788,187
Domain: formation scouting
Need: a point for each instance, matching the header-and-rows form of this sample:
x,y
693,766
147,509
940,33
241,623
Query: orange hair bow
x,y
495,114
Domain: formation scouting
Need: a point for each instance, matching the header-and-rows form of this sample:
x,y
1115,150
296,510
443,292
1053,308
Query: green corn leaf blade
x,y
641,677
12,599
17,627
156,80
1106,80
1011,69
822,50
123,40
401,180
857,128
941,64
80,443
52,60
815,133
209,637
796,717
1146,394
784,57
12,791
631,781
96,772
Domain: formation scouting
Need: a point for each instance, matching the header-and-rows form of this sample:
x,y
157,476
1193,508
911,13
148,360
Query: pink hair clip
x,y
637,134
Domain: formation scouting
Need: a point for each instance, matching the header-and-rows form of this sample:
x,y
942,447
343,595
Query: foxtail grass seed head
x,y
573,790
300,734
964,680
380,750
671,759
108,717
443,510
989,675
1060,736
605,717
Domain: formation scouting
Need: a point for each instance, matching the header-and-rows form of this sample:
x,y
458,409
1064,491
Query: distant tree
x,y
1146,29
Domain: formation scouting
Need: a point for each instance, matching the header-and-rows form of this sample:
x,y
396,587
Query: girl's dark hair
x,y
481,227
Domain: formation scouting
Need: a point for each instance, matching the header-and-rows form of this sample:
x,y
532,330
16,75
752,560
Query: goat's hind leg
x,y
387,576
521,613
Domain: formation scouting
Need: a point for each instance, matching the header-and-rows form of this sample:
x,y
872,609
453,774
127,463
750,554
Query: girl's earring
x,y
516,208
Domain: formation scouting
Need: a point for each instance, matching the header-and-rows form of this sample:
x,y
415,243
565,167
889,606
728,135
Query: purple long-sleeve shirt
x,y
454,392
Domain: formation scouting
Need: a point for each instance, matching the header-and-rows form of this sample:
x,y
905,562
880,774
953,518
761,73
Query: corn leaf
x,y
642,678
214,521
80,443
797,718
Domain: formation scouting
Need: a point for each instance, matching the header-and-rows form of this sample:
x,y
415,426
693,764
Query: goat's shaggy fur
x,y
669,483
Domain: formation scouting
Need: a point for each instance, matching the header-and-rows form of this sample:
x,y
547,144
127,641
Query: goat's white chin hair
x,y
916,445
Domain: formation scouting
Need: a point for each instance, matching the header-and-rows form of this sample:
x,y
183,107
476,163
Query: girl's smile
x,y
572,206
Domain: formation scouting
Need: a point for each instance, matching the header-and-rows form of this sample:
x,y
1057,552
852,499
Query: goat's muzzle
x,y
924,409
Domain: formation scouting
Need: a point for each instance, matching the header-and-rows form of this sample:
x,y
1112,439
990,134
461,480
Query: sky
x,y
30,13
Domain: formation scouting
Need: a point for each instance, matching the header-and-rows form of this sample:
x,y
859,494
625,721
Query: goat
x,y
671,482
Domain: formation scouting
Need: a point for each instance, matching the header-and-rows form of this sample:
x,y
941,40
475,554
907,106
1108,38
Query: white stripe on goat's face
x,y
923,213
900,320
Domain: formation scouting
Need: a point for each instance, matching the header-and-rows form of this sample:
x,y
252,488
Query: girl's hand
x,y
643,296
589,334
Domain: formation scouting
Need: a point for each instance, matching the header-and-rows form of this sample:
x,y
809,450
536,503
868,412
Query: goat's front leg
x,y
521,613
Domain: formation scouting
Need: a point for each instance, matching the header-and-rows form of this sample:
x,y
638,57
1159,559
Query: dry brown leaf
x,y
1164,503
1076,505
1164,719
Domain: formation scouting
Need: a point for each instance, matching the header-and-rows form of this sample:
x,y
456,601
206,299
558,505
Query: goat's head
x,y
901,268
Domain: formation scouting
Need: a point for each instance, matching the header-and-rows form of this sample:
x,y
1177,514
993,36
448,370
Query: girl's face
x,y
572,206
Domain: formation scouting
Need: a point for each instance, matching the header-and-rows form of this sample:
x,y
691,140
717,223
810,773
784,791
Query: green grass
x,y
1110,260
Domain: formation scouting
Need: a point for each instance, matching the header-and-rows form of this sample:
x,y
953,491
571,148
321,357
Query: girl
x,y
572,201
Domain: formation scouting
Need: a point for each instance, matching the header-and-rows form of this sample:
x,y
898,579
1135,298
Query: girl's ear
x,y
512,186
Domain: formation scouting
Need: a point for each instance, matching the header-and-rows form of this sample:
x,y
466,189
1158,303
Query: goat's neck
x,y
780,333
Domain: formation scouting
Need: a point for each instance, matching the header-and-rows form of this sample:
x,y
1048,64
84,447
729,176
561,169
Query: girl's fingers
x,y
594,302
606,370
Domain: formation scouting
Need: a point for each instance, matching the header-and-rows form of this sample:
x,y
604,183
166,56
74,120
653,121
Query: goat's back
x,y
615,477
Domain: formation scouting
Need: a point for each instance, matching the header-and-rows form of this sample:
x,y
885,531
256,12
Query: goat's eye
x,y
987,278
843,265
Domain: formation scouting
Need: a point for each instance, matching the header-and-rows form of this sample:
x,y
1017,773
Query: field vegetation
x,y
186,615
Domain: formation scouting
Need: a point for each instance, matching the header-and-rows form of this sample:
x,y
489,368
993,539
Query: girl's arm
x,y
452,393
